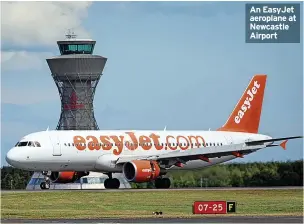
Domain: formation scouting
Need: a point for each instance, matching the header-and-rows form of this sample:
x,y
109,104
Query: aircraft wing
x,y
208,152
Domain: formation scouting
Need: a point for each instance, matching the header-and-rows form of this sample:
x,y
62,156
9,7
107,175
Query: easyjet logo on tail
x,y
247,102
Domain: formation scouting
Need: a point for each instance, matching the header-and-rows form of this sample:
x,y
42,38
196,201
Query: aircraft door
x,y
56,144
229,140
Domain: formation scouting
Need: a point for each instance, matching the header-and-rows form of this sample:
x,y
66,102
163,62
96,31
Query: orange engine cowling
x,y
141,170
67,176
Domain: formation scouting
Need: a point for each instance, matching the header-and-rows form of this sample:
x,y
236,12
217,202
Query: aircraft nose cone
x,y
11,157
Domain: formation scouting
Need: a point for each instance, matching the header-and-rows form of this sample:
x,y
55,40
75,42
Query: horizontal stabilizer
x,y
260,142
283,144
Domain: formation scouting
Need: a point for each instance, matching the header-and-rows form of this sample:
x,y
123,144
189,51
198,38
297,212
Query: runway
x,y
220,219
152,189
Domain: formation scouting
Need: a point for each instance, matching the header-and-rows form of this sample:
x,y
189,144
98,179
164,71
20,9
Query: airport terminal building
x,y
92,181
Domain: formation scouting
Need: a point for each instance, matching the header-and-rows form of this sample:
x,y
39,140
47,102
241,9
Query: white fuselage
x,y
62,151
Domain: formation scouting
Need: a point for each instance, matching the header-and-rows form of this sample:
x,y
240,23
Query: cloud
x,y
23,60
41,23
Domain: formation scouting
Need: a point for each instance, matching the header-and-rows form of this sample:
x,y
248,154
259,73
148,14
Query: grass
x,y
78,204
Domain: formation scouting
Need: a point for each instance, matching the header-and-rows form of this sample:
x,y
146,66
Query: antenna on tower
x,y
70,35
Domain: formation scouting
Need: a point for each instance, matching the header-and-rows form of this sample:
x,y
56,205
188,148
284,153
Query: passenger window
x,y
69,144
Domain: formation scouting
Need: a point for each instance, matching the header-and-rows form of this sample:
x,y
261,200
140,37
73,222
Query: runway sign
x,y
214,207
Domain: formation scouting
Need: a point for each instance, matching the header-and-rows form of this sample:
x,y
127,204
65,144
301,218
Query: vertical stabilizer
x,y
246,115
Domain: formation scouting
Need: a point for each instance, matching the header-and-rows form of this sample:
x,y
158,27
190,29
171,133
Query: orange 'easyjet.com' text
x,y
133,142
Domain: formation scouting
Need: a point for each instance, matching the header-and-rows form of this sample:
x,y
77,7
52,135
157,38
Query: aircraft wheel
x,y
162,183
157,183
112,183
106,183
166,182
43,186
115,183
47,185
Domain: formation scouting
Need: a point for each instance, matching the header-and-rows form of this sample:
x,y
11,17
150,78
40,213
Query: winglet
x,y
283,144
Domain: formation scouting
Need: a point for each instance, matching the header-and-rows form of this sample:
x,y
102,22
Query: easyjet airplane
x,y
143,156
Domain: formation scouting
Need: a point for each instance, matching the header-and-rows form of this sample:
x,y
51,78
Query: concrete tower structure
x,y
76,72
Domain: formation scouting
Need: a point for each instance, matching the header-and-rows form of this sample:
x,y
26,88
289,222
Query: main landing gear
x,y
111,183
162,182
45,185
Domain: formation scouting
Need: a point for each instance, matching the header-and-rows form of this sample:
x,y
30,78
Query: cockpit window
x,y
31,144
22,144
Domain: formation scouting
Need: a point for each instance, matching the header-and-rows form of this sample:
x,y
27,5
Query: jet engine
x,y
66,177
141,171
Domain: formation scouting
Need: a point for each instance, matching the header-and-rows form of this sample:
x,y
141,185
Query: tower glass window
x,y
76,49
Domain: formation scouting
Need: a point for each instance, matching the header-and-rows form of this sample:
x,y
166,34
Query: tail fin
x,y
246,115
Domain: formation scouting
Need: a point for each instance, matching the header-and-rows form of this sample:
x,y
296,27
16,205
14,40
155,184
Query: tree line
x,y
256,174
289,173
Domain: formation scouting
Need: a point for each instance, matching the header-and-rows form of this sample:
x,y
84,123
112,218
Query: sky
x,y
183,65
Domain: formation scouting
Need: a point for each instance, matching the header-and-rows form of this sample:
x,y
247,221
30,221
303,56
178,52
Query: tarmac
x,y
153,189
220,219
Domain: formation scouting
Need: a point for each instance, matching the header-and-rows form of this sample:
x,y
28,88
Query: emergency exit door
x,y
230,142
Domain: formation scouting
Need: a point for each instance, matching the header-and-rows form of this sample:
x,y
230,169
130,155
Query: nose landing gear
x,y
45,185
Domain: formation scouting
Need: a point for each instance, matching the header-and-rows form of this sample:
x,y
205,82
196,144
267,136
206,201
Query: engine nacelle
x,y
141,171
67,176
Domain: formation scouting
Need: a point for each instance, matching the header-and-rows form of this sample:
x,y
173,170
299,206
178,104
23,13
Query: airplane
x,y
64,156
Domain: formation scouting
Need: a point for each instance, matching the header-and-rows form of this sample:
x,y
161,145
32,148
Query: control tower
x,y
76,73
